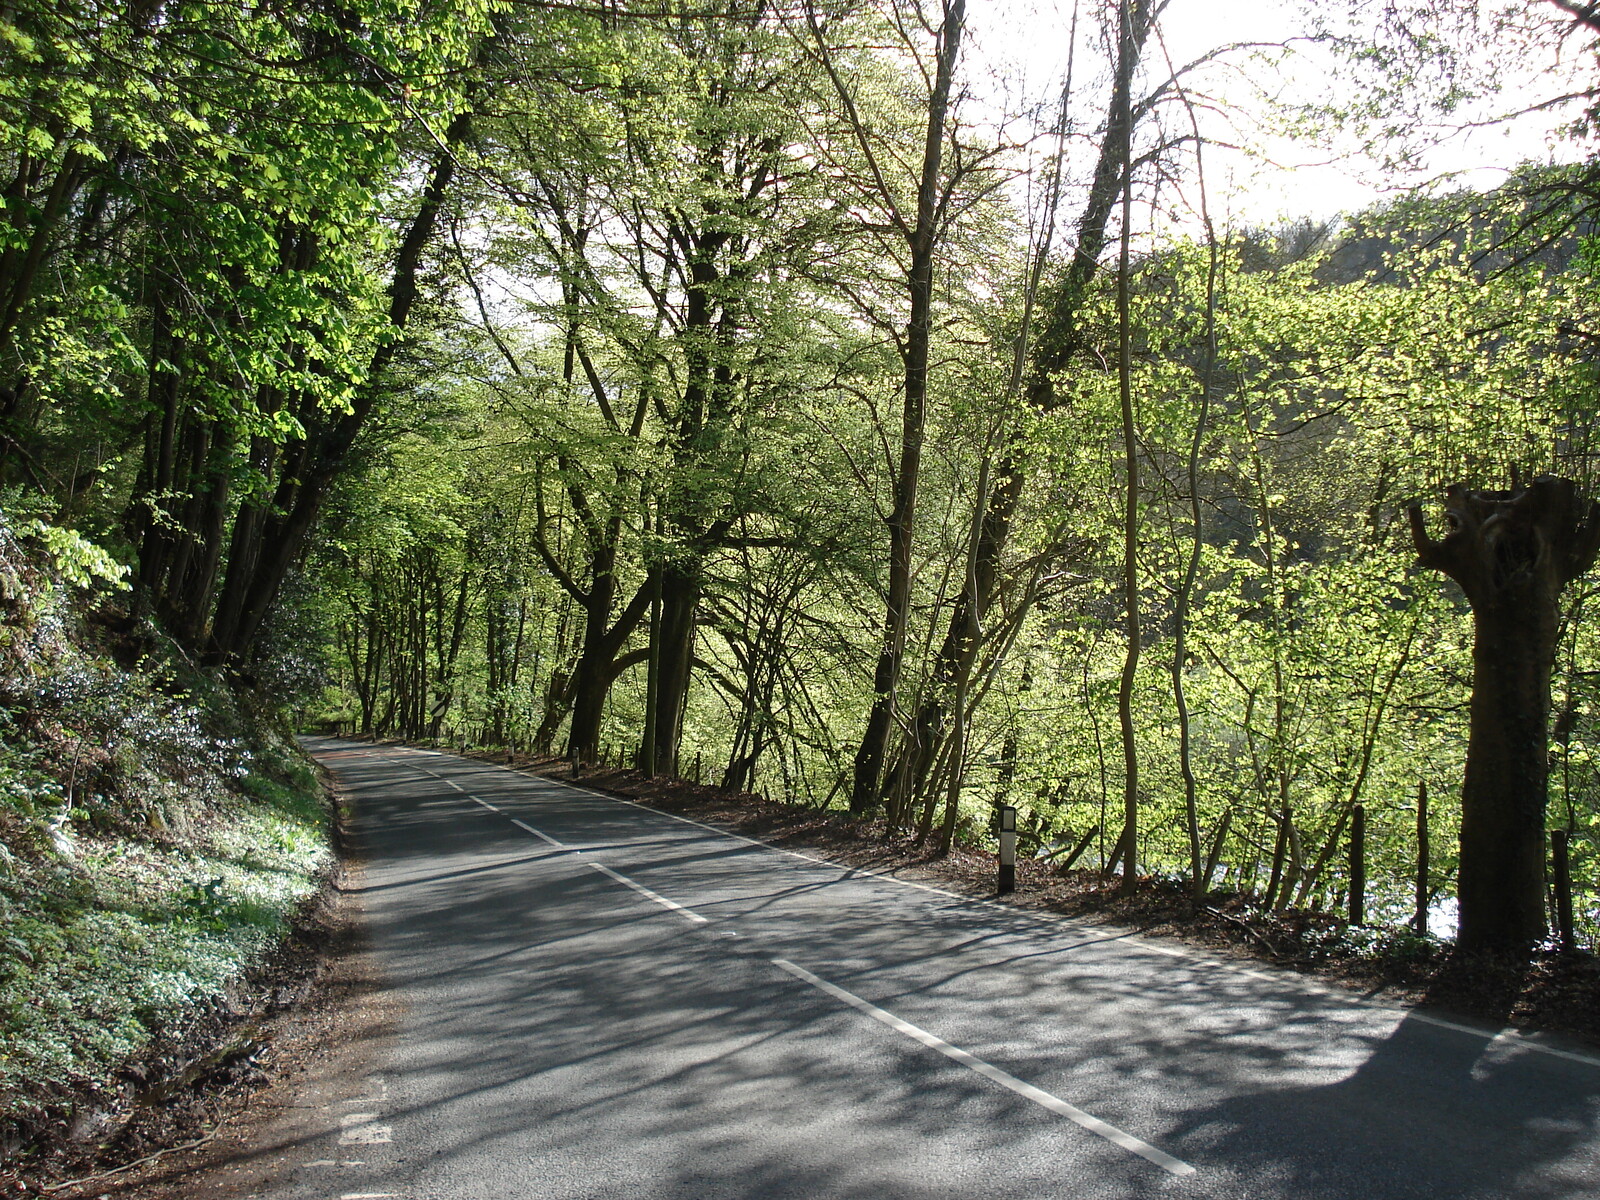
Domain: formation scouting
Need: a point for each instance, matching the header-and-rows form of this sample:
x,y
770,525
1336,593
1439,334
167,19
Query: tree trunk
x,y
1503,795
1130,529
1057,344
922,239
1512,552
973,631
680,600
591,679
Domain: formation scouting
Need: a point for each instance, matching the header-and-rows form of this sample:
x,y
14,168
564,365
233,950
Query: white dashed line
x,y
649,895
1503,1036
1005,1079
542,836
359,1130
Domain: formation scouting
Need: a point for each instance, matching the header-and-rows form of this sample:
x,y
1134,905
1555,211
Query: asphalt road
x,y
600,1000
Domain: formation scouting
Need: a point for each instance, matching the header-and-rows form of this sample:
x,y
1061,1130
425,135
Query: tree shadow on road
x,y
1430,1080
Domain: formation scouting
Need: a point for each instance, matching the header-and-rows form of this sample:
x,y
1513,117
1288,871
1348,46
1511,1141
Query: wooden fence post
x,y
1008,850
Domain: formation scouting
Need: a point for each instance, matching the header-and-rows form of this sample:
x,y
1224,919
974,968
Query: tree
x,y
1512,553
192,270
916,230
1058,346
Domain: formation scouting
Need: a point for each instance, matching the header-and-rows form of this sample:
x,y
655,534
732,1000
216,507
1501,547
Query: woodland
x,y
768,393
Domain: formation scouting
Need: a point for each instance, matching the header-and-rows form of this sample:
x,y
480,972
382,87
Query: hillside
x,y
157,835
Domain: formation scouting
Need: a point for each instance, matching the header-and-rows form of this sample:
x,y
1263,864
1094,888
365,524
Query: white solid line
x,y
649,895
1005,1079
750,841
1135,942
1513,1036
542,836
739,837
1167,950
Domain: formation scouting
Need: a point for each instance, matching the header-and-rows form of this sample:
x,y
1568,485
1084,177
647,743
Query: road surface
x,y
601,1000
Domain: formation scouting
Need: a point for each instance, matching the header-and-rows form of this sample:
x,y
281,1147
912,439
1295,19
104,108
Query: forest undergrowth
x,y
1550,991
159,836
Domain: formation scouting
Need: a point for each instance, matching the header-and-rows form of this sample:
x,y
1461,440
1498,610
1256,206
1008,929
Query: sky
x,y
1280,176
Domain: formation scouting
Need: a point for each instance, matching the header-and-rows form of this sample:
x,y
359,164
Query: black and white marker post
x,y
1008,849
